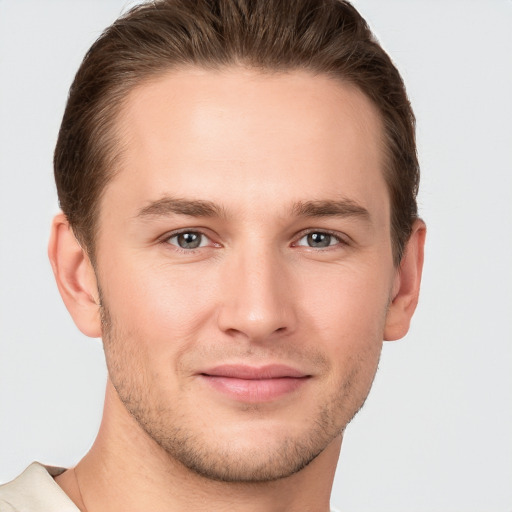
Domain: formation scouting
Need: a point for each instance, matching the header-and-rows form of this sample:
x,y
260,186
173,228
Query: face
x,y
245,266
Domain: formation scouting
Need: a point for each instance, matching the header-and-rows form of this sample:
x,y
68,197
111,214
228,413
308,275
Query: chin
x,y
251,450
253,463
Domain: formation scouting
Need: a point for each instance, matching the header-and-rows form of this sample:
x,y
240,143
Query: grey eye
x,y
188,240
318,240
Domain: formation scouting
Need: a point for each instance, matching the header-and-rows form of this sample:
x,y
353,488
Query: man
x,y
238,183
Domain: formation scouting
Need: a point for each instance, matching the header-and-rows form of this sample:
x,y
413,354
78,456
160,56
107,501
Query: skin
x,y
277,157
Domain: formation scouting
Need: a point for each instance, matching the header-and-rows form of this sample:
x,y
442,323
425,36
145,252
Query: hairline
x,y
115,145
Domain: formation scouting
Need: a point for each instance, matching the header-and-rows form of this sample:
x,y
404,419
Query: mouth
x,y
254,384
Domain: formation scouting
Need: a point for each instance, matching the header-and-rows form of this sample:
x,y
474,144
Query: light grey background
x,y
435,434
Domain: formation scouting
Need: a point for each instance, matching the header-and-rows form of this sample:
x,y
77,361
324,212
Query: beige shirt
x,y
35,490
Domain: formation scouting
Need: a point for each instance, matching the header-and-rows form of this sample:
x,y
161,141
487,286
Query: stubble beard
x,y
184,444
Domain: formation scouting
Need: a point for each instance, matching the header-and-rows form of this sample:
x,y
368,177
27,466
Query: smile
x,y
251,384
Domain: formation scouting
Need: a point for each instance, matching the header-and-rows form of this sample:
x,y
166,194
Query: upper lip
x,y
242,371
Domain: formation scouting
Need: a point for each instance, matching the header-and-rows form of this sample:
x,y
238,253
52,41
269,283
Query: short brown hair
x,y
323,36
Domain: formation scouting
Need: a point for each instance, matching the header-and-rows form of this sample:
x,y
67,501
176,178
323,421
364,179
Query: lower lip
x,y
254,390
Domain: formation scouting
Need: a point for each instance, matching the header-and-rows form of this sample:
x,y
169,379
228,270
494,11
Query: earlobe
x,y
75,277
406,287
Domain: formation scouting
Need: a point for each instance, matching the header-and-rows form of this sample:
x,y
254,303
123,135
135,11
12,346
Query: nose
x,y
257,301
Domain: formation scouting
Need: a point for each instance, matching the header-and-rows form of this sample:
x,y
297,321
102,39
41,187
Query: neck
x,y
125,470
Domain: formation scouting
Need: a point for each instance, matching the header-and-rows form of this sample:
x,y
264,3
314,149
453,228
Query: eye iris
x,y
189,240
319,240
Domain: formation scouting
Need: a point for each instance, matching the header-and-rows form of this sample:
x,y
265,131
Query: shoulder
x,y
35,490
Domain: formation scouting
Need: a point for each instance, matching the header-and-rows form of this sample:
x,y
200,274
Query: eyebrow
x,y
331,208
201,208
173,205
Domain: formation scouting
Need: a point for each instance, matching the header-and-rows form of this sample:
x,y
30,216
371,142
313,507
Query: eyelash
x,y
340,240
166,240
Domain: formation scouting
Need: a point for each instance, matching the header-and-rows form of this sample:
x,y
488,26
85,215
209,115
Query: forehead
x,y
247,136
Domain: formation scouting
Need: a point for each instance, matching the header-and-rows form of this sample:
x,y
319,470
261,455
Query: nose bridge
x,y
256,301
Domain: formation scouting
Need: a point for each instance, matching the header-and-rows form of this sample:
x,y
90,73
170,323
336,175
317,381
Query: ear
x,y
406,287
75,277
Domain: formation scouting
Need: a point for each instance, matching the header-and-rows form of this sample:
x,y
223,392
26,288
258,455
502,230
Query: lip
x,y
254,384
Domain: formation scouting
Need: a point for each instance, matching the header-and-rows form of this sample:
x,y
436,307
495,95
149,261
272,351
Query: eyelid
x,y
164,239
340,237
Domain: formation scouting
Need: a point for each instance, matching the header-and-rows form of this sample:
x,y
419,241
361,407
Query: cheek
x,y
351,304
347,319
157,313
168,302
